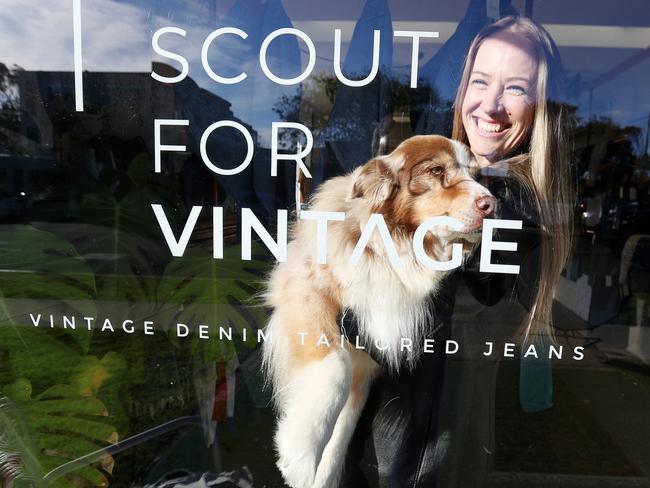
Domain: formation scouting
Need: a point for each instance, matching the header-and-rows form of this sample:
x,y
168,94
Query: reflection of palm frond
x,y
69,426
39,269
125,250
18,456
63,423
214,292
37,264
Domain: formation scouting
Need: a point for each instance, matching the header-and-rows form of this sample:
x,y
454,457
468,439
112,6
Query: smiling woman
x,y
509,105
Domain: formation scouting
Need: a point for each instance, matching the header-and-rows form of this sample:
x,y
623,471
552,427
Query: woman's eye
x,y
479,83
516,90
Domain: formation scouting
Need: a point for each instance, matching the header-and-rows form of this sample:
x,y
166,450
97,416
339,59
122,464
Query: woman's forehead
x,y
506,54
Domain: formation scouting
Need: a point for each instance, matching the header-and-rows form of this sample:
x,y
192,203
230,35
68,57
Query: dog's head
x,y
426,176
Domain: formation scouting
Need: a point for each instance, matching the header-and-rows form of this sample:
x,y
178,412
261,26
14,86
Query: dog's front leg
x,y
311,403
364,370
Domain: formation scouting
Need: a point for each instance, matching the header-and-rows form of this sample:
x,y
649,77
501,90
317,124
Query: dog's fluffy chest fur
x,y
390,307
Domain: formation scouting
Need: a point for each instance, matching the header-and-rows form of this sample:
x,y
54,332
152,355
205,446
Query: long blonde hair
x,y
543,169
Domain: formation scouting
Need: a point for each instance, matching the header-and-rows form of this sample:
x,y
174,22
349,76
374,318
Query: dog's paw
x,y
299,453
298,471
329,469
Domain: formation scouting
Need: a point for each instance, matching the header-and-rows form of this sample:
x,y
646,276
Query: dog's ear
x,y
374,182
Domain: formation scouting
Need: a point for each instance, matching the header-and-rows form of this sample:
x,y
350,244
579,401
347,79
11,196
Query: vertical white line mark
x,y
78,72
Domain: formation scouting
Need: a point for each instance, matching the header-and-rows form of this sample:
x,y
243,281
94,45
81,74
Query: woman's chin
x,y
488,154
485,147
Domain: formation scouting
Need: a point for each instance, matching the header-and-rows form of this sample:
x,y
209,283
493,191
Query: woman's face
x,y
499,103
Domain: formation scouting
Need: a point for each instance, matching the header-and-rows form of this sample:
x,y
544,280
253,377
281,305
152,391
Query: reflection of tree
x,y
427,112
9,110
430,113
597,130
351,125
310,106
67,383
604,146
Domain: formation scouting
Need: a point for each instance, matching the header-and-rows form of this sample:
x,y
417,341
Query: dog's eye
x,y
437,170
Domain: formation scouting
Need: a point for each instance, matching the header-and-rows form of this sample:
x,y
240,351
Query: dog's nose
x,y
486,204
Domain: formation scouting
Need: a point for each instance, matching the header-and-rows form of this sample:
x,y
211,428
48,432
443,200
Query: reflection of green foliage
x,y
41,266
127,253
65,417
65,420
18,462
39,262
71,390
214,292
67,426
115,228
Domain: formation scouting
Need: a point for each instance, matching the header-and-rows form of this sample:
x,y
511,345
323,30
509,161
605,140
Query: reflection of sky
x,y
117,37
39,37
625,98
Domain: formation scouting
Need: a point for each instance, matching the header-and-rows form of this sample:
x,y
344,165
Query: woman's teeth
x,y
488,127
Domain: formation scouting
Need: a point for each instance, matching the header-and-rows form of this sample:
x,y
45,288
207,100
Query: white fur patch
x,y
389,304
312,403
462,153
331,465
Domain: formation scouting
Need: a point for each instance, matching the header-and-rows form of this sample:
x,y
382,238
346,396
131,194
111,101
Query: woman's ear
x,y
374,182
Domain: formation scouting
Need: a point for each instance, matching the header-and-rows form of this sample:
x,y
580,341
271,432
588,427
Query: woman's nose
x,y
491,102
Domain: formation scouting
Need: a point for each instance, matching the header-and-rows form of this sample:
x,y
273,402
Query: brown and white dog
x,y
321,381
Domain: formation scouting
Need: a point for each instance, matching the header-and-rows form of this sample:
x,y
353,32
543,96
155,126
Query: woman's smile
x,y
489,128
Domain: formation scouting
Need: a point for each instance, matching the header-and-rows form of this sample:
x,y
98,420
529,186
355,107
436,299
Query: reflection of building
x,y
119,109
117,127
